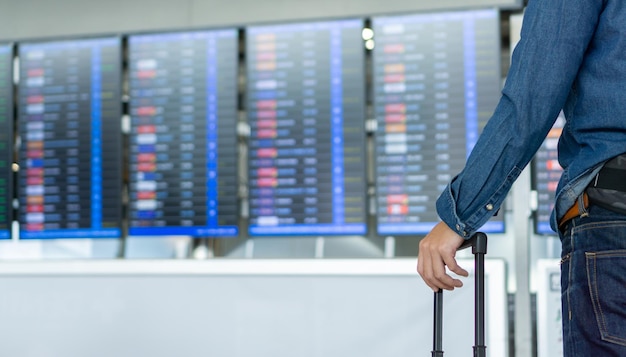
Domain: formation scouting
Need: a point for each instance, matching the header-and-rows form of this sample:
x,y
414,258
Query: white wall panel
x,y
238,308
253,11
40,18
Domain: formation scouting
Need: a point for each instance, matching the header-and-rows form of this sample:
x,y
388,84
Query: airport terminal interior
x,y
253,178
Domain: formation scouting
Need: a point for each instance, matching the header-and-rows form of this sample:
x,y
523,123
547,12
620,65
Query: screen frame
x,y
10,187
171,230
434,13
120,62
364,138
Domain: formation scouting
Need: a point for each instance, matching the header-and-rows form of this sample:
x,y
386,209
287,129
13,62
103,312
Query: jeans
x,y
593,284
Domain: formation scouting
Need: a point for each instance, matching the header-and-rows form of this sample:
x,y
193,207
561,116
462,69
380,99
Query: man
x,y
571,56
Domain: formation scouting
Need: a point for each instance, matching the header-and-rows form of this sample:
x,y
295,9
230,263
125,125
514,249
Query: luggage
x,y
478,242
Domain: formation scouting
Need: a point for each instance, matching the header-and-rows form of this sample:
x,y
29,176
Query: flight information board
x,y
306,109
69,111
436,83
6,140
183,151
546,175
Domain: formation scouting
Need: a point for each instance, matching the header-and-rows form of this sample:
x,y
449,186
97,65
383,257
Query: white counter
x,y
223,307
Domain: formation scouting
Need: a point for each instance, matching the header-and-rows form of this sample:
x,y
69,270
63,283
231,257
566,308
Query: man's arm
x,y
555,37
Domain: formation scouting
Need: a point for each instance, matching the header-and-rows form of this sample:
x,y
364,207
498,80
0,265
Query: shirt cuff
x,y
446,209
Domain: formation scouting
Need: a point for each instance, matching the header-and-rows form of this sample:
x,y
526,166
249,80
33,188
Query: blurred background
x,y
234,178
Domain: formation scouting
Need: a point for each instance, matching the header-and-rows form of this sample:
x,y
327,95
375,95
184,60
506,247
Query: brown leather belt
x,y
574,211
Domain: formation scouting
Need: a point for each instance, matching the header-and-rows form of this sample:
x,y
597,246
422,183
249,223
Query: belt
x,y
574,211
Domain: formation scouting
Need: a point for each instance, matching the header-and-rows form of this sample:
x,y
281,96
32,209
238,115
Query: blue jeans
x,y
593,284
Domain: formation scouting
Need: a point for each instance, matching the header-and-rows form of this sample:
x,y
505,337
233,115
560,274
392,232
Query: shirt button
x,y
489,207
458,227
464,234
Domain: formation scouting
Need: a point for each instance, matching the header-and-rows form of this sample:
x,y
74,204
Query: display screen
x,y
546,175
6,140
436,83
306,109
69,110
183,142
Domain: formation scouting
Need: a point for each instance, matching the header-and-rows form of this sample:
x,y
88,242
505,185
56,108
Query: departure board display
x,y
6,139
69,115
306,109
183,148
436,83
546,175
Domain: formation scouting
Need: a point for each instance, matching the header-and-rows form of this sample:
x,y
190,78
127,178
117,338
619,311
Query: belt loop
x,y
582,210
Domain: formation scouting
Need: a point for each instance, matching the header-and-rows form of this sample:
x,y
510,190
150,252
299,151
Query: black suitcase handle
x,y
478,242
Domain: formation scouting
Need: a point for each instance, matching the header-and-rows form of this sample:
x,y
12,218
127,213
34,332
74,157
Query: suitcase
x,y
478,242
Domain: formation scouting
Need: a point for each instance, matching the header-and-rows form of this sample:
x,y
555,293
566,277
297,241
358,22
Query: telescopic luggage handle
x,y
478,242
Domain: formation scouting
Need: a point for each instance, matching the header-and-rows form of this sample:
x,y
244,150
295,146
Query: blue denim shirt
x,y
571,56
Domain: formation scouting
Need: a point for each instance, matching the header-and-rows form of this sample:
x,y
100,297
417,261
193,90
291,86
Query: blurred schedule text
x,y
546,175
306,103
183,150
436,83
6,139
69,124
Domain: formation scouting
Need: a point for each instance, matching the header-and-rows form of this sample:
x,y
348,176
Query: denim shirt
x,y
571,56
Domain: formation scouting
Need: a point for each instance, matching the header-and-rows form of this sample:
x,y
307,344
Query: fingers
x,y
432,268
436,251
425,269
455,267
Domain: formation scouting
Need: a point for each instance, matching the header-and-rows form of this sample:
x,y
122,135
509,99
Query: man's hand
x,y
436,251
